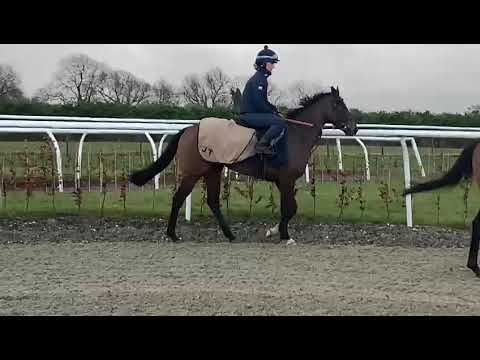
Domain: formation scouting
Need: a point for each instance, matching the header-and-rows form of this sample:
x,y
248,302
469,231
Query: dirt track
x,y
95,267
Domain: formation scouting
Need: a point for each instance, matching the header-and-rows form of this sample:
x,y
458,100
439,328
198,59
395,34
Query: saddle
x,y
224,141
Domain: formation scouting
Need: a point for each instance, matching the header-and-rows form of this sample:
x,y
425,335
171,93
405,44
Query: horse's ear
x,y
338,91
333,90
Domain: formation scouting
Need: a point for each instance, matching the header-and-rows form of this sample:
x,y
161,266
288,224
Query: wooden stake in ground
x,y
15,174
389,179
2,182
129,169
100,169
433,158
88,167
142,159
115,168
321,170
354,166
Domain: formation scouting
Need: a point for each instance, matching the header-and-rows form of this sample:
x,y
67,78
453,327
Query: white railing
x,y
84,126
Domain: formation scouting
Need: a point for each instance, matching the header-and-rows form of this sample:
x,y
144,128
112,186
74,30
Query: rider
x,y
255,110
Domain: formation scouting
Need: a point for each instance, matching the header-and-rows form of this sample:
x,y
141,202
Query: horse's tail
x,y
462,168
143,176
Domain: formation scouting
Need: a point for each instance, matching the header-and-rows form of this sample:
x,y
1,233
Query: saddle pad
x,y
224,141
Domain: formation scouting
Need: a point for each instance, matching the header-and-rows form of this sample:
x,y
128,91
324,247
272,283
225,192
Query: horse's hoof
x,y
291,242
271,232
476,271
475,268
174,238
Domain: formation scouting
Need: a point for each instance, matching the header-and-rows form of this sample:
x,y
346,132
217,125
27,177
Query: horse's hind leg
x,y
273,231
473,253
186,187
213,181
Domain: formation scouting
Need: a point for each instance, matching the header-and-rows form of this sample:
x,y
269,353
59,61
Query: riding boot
x,y
264,147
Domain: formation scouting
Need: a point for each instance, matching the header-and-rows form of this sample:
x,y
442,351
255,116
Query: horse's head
x,y
338,114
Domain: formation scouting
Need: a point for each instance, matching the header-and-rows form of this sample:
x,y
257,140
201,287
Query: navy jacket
x,y
254,98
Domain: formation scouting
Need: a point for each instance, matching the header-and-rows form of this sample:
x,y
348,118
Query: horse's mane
x,y
305,103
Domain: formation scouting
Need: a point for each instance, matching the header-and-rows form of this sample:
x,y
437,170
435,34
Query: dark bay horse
x,y
466,166
316,110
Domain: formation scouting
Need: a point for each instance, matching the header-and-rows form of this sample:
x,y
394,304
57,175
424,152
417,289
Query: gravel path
x,y
80,266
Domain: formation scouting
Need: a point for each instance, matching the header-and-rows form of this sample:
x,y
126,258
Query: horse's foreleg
x,y
473,253
288,208
186,187
213,181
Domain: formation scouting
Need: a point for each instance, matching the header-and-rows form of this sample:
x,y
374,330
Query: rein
x,y
300,123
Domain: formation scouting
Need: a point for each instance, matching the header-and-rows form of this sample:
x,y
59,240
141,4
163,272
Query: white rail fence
x,y
84,126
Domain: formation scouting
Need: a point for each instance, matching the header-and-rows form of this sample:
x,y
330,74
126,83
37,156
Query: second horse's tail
x,y
461,169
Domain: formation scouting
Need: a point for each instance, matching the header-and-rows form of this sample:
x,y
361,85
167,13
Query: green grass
x,y
140,204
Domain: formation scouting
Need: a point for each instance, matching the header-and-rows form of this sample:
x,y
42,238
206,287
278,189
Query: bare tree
x,y
76,82
163,93
46,95
194,91
122,87
9,85
217,85
209,90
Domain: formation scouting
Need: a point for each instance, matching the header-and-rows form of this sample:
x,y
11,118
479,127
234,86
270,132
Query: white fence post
x,y
154,154
78,172
159,153
406,171
340,159
188,208
417,155
367,163
59,161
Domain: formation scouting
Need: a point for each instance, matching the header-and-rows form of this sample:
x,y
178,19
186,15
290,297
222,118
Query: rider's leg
x,y
274,124
275,130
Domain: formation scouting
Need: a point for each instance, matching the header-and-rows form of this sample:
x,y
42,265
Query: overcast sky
x,y
438,78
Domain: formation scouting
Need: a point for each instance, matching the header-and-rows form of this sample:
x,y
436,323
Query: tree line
x,y
82,86
81,80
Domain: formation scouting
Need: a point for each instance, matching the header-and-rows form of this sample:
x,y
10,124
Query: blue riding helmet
x,y
266,56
